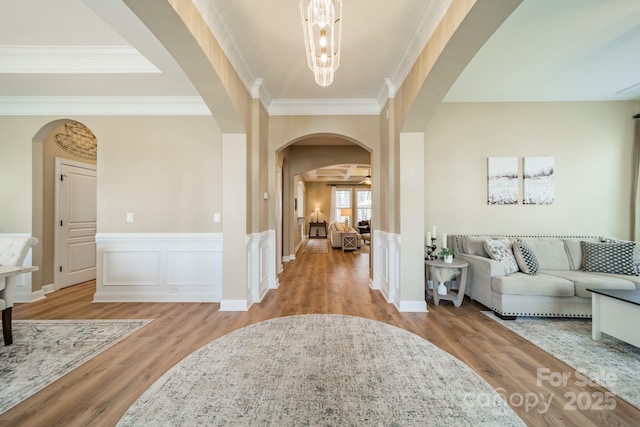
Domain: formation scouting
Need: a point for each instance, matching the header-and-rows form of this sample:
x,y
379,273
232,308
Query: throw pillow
x,y
501,251
614,258
525,258
636,251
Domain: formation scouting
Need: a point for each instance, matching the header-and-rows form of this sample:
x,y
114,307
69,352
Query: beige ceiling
x,y
96,57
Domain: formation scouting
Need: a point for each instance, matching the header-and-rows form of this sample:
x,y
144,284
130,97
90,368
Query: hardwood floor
x,y
100,391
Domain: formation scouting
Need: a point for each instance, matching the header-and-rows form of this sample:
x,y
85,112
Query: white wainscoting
x,y
261,256
159,267
386,262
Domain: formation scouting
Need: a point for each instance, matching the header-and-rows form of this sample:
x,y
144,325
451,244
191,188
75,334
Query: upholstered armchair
x,y
13,251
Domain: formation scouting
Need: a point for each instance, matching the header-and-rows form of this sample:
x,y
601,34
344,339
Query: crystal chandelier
x,y
322,28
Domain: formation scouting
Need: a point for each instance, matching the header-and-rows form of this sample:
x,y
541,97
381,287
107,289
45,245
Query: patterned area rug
x,y
320,370
45,350
316,246
609,362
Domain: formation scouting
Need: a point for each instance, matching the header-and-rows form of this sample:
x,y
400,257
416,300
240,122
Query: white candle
x,y
433,231
429,238
444,240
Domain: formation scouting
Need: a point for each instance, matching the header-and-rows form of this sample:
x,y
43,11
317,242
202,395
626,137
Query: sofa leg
x,y
503,317
6,326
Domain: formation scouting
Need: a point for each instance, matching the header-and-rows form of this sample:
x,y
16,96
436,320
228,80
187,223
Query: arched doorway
x,y
64,158
307,153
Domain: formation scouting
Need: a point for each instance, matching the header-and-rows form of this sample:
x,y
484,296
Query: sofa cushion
x,y
525,284
526,259
609,257
474,245
634,279
500,250
583,280
574,249
550,253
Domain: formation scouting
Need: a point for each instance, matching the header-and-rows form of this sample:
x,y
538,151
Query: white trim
x,y
234,305
260,264
103,106
407,306
73,60
324,107
158,267
430,17
47,289
23,297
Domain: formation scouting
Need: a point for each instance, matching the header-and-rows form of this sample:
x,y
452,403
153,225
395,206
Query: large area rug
x,y
316,246
45,350
609,362
320,370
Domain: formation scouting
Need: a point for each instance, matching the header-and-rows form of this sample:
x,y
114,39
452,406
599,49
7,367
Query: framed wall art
x,y
502,180
538,180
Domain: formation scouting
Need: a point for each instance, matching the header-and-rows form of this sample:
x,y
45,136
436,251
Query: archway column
x,y
236,292
412,189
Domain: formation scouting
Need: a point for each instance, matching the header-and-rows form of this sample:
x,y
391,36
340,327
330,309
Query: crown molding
x,y
213,18
430,17
73,60
324,107
103,106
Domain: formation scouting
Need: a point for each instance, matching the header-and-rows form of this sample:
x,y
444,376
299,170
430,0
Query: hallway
x,y
101,390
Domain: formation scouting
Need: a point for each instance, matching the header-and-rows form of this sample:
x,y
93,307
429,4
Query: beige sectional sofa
x,y
557,289
335,231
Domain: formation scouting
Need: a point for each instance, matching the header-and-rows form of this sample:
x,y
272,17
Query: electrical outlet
x,y
216,217
129,216
173,289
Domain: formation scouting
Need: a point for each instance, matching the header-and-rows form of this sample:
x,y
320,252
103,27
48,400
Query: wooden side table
x,y
320,229
349,241
456,297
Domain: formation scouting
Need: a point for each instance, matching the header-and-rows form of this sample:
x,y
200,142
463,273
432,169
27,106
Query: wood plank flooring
x,y
99,392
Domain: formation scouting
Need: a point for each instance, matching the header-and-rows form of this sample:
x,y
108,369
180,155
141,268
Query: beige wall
x,y
318,195
166,170
590,142
15,171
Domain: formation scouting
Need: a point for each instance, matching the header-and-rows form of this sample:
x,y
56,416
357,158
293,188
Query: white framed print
x,y
538,180
502,181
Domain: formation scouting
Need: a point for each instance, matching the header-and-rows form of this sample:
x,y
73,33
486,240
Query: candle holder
x,y
430,250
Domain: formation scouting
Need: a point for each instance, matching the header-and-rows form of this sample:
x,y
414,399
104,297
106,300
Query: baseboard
x,y
47,289
408,306
234,305
29,297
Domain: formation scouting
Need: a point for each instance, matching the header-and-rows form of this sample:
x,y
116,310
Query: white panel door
x,y
75,223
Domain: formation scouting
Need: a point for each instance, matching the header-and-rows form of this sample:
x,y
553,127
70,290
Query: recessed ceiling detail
x,y
103,106
345,173
73,60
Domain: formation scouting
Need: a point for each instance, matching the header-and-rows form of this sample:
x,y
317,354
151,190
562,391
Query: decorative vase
x,y
442,289
448,259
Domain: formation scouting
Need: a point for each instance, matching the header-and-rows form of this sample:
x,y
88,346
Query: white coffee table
x,y
616,312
